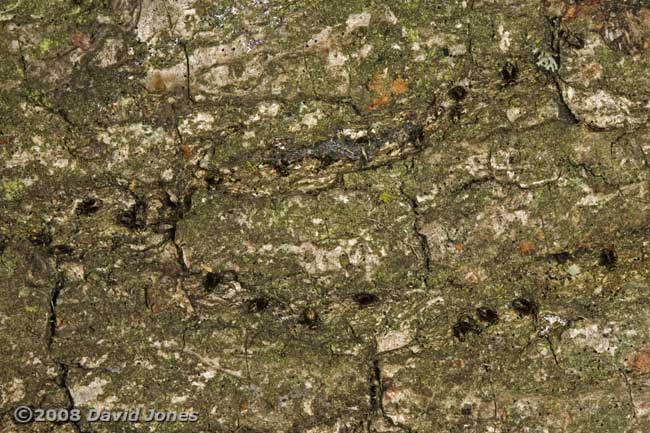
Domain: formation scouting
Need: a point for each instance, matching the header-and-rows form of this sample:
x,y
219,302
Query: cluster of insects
x,y
468,325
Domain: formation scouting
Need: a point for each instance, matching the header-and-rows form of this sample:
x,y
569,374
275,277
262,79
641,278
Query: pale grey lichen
x,y
546,60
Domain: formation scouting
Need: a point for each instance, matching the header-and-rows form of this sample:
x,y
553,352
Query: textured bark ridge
x,y
326,216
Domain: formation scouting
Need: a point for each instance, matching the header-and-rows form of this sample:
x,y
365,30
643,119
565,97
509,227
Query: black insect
x,y
608,258
135,217
525,307
487,314
212,280
457,93
365,299
213,180
445,51
455,112
465,325
572,39
63,249
281,166
562,257
257,305
88,206
509,73
309,318
41,238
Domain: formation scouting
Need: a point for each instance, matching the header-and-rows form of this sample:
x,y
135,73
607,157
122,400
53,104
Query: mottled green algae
x,y
204,278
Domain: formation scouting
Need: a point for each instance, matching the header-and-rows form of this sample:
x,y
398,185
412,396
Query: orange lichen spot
x,y
80,40
377,82
457,363
526,247
471,277
591,71
378,102
187,151
644,15
399,86
155,83
577,10
639,362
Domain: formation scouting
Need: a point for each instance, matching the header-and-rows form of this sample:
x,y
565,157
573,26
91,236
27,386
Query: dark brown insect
x,y
41,238
135,217
455,112
572,39
525,307
257,305
562,257
309,318
62,249
212,280
88,206
488,315
365,299
457,93
608,258
465,325
466,410
509,73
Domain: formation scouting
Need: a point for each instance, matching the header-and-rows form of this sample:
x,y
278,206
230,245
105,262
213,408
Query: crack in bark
x,y
62,377
376,391
187,70
62,382
488,372
565,113
629,391
552,349
52,317
417,230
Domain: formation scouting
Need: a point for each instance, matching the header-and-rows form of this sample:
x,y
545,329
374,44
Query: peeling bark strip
x,y
345,148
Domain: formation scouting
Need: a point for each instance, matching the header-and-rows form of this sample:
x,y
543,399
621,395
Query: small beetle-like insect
x,y
488,315
465,325
88,206
211,280
309,318
257,305
572,39
562,257
365,299
457,93
509,73
608,258
41,238
135,217
525,307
